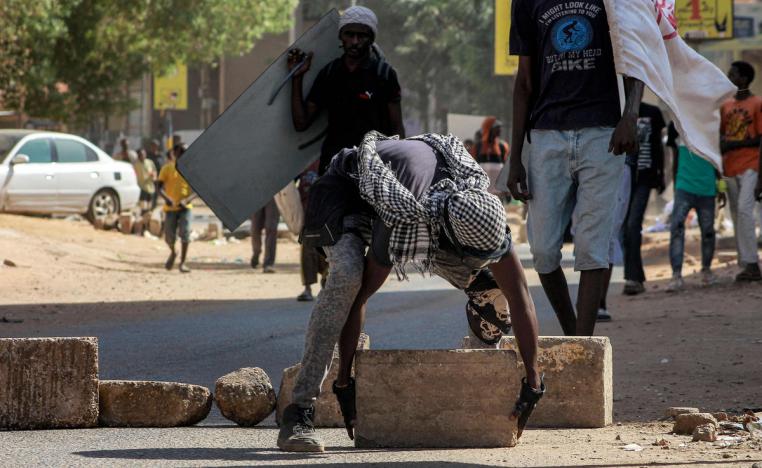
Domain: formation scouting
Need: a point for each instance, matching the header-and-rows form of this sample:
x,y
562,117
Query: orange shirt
x,y
741,120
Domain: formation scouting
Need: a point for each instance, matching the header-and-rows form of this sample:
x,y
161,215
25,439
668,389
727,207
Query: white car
x,y
48,172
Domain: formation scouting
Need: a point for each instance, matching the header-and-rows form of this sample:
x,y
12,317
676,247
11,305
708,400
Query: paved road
x,y
199,347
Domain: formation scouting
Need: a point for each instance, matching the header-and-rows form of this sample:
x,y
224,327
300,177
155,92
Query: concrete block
x,y
327,412
48,383
128,403
125,223
579,379
436,398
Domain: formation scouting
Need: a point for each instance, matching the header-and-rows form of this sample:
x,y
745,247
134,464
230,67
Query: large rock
x,y
48,383
327,412
128,403
578,376
436,398
687,423
245,396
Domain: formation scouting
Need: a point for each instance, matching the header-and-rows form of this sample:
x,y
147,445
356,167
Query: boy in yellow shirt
x,y
177,195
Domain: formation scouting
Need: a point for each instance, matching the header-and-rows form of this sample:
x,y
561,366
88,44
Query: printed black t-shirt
x,y
650,158
357,102
573,66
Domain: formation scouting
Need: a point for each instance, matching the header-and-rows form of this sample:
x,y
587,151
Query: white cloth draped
x,y
647,47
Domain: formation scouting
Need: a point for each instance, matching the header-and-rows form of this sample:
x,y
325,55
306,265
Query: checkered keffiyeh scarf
x,y
477,218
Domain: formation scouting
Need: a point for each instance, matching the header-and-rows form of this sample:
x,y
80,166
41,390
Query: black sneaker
x,y
750,273
297,432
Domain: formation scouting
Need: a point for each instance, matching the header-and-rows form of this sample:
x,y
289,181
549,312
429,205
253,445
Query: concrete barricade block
x,y
579,379
48,383
327,412
126,222
436,398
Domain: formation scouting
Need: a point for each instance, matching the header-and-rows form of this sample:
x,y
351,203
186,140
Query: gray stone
x,y
48,383
327,412
245,396
675,411
133,403
705,433
436,398
578,376
687,423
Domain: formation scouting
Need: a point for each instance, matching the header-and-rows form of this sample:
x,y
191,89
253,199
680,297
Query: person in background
x,y
697,183
312,262
125,153
492,151
158,159
359,90
648,174
145,170
616,255
740,130
265,219
177,195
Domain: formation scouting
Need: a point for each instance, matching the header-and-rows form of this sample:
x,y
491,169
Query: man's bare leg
x,y
509,276
557,290
591,285
374,276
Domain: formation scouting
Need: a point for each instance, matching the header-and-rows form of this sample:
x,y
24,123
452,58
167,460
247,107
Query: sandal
x,y
346,398
527,402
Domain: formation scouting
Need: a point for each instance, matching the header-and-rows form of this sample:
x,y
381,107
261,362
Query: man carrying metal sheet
x,y
359,90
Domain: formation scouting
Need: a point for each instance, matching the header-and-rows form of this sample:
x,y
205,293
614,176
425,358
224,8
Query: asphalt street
x,y
221,336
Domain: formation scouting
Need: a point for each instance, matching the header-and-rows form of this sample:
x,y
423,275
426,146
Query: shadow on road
x,y
261,455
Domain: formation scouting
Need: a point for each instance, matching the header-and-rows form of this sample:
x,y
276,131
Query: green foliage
x,y
74,59
443,51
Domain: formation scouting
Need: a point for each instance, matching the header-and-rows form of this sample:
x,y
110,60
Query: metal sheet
x,y
252,150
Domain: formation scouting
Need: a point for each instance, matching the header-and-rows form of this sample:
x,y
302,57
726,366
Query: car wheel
x,y
104,203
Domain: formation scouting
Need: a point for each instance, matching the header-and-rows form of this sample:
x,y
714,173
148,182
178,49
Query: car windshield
x,y
7,142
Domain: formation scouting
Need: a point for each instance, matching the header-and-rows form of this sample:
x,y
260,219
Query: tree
x,y
93,49
443,51
28,32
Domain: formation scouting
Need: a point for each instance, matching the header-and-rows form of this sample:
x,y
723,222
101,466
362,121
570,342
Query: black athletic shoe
x,y
297,432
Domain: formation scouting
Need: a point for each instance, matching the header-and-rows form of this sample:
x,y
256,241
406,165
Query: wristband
x,y
722,186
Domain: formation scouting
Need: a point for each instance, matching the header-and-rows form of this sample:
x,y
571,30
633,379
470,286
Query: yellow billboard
x,y
170,91
505,64
702,19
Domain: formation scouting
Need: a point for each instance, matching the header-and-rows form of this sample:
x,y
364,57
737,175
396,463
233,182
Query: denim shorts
x,y
177,221
568,170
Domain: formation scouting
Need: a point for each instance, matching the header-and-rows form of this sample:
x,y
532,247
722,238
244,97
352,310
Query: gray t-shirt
x,y
417,167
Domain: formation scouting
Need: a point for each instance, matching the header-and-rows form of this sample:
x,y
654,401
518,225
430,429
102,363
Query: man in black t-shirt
x,y
648,174
359,90
567,105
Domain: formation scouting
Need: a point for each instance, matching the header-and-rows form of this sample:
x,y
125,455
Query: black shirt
x,y
573,65
357,102
650,159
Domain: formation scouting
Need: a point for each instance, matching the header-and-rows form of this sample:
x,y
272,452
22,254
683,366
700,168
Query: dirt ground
x,y
701,347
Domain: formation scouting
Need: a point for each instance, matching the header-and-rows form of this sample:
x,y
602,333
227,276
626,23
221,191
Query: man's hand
x,y
526,403
295,56
625,137
517,182
722,199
